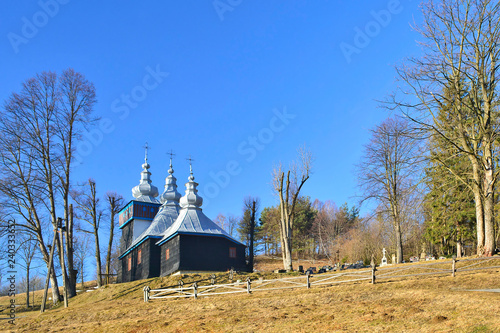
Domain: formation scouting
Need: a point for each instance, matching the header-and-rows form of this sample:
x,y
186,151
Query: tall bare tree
x,y
115,202
27,252
389,172
287,184
39,128
88,204
82,246
459,71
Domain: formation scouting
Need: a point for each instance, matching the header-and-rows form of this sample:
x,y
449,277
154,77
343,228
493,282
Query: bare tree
x,y
459,71
232,222
27,252
88,204
221,221
389,172
115,202
39,128
331,224
287,185
82,246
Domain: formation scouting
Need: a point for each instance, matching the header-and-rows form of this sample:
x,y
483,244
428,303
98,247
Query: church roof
x,y
191,219
167,214
170,195
162,221
145,191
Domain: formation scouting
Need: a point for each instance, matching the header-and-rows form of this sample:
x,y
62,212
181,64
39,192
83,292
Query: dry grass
x,y
430,304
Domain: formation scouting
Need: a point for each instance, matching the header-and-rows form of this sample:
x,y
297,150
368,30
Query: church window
x,y
129,263
232,252
167,254
139,257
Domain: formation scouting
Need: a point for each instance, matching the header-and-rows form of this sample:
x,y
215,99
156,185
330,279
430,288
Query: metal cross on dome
x,y
190,164
147,147
171,154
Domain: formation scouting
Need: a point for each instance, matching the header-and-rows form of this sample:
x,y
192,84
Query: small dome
x,y
170,196
145,191
191,199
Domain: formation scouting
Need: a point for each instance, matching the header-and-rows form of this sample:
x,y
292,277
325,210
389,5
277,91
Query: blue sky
x,y
239,85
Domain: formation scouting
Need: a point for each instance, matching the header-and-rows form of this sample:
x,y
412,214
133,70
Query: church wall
x,y
139,227
149,265
151,259
171,264
127,236
208,253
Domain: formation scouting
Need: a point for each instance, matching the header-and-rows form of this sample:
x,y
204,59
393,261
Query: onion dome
x,y
145,191
170,196
191,199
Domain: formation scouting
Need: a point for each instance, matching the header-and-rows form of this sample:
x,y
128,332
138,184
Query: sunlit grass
x,y
429,304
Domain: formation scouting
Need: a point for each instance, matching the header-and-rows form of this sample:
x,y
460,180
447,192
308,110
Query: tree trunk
x,y
97,257
459,248
287,251
489,205
27,286
399,244
110,243
479,221
252,236
70,251
53,279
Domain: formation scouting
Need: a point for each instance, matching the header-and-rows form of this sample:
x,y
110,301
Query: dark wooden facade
x,y
189,252
142,262
149,253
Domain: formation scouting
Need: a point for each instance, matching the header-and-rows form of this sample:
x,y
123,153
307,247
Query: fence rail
x,y
307,281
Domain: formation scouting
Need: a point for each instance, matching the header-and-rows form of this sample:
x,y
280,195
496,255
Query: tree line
x,y
40,128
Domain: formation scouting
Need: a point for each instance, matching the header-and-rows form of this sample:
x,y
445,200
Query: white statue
x,y
384,259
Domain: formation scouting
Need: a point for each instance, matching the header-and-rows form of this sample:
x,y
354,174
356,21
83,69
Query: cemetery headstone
x,y
384,259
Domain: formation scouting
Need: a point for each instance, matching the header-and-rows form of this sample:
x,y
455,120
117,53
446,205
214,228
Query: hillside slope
x,y
433,304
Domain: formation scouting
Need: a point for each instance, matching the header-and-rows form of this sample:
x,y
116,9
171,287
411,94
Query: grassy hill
x,y
430,304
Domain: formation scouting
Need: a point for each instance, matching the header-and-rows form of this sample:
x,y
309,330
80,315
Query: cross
x,y
171,154
190,166
146,146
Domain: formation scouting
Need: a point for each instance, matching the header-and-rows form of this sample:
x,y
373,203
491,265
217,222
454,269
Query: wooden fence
x,y
371,274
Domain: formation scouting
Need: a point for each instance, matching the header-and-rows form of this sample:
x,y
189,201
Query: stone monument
x,y
394,259
384,259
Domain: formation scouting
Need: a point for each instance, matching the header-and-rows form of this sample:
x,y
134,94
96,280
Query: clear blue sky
x,y
232,66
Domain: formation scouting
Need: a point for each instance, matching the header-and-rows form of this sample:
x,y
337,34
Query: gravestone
x,y
423,254
394,259
384,259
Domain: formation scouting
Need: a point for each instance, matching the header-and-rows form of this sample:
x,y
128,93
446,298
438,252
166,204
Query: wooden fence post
x,y
249,286
374,269
146,293
195,290
308,276
453,266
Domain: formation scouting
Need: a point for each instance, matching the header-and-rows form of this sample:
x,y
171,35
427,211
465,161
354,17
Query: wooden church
x,y
172,234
